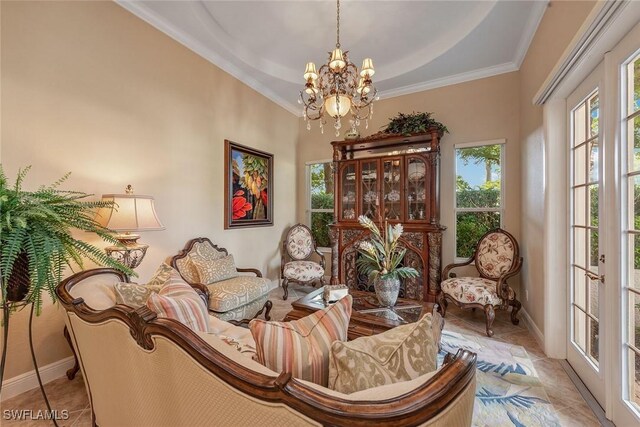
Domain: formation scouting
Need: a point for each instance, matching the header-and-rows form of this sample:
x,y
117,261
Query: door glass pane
x,y
634,377
594,339
634,324
594,115
593,205
580,328
593,161
369,191
348,210
391,189
579,125
634,89
416,188
579,203
633,133
634,255
593,250
593,296
579,288
470,226
579,165
580,247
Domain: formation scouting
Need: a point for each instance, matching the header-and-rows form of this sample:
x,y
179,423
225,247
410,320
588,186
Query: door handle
x,y
592,276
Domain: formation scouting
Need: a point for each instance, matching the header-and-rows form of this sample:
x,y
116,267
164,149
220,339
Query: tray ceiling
x,y
415,45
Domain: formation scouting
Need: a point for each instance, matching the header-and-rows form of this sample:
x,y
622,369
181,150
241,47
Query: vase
x,y
387,291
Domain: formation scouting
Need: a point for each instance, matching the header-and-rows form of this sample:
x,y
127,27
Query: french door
x,y
586,260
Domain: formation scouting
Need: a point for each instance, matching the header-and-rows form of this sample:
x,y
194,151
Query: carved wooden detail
x,y
414,407
399,182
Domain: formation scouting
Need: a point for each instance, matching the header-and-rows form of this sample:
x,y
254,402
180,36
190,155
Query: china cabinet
x,y
390,178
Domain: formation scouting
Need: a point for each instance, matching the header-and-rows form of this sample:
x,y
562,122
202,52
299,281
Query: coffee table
x,y
367,317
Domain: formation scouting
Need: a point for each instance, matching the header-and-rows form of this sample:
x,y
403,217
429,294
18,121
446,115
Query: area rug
x,y
508,390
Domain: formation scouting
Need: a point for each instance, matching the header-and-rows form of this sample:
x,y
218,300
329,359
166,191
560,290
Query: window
x,y
320,190
631,285
479,196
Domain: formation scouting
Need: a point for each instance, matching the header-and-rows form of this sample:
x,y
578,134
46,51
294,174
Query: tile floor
x,y
569,404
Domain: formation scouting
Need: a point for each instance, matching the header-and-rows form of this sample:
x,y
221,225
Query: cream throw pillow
x,y
399,354
212,271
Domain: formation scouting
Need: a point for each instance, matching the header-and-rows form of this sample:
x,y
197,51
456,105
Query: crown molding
x,y
138,9
531,27
481,73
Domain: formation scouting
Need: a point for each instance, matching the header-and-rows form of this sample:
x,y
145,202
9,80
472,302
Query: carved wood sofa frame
x,y
420,405
501,285
266,308
283,261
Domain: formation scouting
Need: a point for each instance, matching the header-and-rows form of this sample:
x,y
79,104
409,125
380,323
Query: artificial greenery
x,y
408,124
382,255
39,224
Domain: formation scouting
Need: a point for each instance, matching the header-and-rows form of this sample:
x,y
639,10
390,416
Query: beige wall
x,y
559,25
478,110
87,87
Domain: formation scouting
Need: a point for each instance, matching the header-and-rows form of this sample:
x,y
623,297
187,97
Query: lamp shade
x,y
337,62
310,71
337,108
367,68
131,212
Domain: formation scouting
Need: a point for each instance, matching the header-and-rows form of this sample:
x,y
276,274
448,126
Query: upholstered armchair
x,y
497,258
295,265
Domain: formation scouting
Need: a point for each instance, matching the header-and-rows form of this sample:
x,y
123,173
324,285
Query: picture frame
x,y
248,186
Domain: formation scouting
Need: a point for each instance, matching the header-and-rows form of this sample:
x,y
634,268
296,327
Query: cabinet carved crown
x,y
390,178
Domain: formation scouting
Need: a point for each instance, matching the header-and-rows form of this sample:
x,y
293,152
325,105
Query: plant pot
x,y
387,291
19,281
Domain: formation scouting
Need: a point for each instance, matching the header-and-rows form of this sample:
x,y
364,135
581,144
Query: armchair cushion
x,y
213,271
495,255
399,354
474,290
303,271
301,347
237,291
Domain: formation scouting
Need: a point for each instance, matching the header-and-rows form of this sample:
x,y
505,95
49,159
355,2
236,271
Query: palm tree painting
x,y
248,186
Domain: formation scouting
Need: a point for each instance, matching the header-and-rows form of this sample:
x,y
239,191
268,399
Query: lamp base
x,y
129,252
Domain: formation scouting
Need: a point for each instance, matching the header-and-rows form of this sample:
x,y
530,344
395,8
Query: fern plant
x,y
381,255
38,225
407,124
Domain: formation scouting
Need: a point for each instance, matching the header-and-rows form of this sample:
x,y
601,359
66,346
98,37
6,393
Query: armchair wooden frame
x,y
266,308
501,285
412,408
283,261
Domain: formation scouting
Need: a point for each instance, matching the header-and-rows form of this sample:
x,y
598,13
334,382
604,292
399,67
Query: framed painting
x,y
248,186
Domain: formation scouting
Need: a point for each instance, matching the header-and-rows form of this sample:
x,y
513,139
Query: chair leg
x,y
490,315
442,304
267,306
516,306
285,286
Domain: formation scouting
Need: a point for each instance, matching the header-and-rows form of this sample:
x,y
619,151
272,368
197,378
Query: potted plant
x,y
380,260
408,124
37,245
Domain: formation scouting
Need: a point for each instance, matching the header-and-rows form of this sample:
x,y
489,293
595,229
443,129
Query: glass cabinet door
x,y
369,194
392,191
348,192
417,198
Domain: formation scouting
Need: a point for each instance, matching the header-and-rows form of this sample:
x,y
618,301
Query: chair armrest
x,y
200,288
250,270
448,268
283,260
321,255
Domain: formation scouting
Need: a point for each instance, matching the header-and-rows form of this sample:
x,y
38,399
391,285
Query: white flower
x,y
397,231
367,246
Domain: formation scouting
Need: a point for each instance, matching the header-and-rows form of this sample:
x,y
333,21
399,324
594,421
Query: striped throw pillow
x,y
302,346
178,300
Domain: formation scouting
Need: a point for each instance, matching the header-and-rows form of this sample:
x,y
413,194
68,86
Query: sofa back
x,y
142,370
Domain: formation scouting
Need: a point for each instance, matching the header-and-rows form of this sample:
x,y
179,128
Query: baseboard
x,y
27,381
533,328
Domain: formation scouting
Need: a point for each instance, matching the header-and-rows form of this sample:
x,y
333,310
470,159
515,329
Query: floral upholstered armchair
x,y
298,247
497,258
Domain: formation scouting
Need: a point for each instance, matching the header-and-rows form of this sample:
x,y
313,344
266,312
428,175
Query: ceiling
x,y
415,45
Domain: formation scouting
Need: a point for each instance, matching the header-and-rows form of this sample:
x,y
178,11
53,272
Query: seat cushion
x,y
234,336
237,291
179,301
473,290
301,347
303,271
399,354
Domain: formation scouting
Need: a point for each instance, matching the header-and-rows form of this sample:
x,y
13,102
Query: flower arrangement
x,y
407,124
381,255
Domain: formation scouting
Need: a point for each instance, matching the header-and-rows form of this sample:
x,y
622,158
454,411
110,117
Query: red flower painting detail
x,y
240,205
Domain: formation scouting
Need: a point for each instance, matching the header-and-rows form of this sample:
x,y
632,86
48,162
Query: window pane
x,y
320,228
470,226
479,175
593,205
593,161
579,165
579,203
580,246
322,186
634,86
594,114
633,132
634,254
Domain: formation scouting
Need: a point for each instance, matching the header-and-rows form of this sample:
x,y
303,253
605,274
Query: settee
x,y
141,370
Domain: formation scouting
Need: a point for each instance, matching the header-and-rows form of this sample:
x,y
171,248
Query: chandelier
x,y
338,89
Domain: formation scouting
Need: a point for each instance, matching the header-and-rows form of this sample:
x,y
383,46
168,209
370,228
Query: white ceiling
x,y
415,45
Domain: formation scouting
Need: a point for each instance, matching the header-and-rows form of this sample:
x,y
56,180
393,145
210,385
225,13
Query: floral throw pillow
x,y
212,271
161,276
399,354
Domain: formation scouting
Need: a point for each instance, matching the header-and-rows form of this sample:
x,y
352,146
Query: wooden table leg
x,y
71,373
